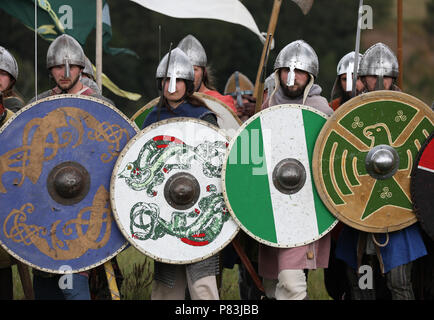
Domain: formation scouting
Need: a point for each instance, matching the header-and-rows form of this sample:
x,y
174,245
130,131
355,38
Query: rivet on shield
x,y
68,183
182,190
382,162
289,176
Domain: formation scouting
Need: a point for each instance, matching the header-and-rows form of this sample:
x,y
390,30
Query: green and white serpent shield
x,y
147,217
349,177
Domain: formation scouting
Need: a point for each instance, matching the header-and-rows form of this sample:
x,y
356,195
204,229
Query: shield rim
x,y
112,190
243,126
365,98
414,171
203,96
7,123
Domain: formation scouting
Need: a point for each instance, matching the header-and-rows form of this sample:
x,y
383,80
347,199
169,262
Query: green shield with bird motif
x,y
363,159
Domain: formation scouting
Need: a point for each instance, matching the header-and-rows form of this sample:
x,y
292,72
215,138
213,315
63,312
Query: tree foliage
x,y
329,27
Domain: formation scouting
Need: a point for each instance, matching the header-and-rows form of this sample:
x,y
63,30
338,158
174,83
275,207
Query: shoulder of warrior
x,y
42,95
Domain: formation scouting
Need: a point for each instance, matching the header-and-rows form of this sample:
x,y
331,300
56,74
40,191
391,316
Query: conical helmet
x,y
180,67
237,85
346,66
88,69
270,83
194,50
8,63
297,55
65,50
380,61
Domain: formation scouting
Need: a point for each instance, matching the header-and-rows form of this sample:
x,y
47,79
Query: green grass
x,y
137,270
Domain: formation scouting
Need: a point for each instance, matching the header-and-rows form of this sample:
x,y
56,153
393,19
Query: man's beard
x,y
292,93
73,83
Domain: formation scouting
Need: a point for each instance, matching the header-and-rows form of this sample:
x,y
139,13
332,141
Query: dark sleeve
x,y
211,118
14,104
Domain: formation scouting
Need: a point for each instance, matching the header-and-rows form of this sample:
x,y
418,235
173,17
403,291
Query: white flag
x,y
226,10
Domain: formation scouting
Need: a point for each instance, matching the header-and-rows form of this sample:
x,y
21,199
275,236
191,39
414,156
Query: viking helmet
x,y
346,66
8,63
379,61
180,67
270,84
88,69
237,85
194,50
65,50
297,55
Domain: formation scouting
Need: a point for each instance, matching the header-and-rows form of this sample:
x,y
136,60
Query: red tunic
x,y
227,100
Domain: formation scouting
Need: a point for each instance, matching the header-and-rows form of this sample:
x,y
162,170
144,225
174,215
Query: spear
x,y
305,6
357,49
160,103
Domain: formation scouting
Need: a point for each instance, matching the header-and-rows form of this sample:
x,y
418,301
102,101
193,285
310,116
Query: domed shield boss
x,y
364,156
267,179
226,117
56,160
166,191
422,186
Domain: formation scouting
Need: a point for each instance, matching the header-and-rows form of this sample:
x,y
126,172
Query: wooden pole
x,y
26,282
98,49
111,280
399,7
271,28
245,260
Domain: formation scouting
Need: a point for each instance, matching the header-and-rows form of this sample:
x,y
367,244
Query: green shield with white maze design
x,y
364,156
267,179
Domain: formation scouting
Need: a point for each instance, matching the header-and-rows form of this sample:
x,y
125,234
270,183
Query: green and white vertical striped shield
x,y
280,134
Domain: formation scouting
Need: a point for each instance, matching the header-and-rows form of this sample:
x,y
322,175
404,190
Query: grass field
x,y
137,270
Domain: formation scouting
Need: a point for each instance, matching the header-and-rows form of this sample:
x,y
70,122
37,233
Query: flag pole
x,y
271,28
98,49
399,8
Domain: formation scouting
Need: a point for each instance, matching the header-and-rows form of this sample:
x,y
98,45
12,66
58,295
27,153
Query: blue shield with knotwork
x,y
56,159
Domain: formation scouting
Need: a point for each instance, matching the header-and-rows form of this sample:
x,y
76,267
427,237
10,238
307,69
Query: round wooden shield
x,y
56,160
166,191
226,117
267,177
364,156
422,186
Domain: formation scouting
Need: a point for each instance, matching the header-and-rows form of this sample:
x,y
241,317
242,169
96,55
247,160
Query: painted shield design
x,y
267,178
226,117
422,186
56,160
166,191
364,156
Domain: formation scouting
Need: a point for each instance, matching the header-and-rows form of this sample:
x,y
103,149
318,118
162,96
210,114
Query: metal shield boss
x,y
422,186
364,156
267,179
56,160
226,117
166,191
